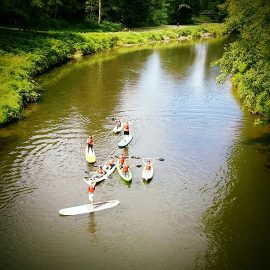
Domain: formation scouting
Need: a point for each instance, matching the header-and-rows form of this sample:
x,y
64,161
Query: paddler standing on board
x,y
91,190
121,160
126,128
90,143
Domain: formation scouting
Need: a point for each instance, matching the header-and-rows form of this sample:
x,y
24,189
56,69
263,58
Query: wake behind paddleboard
x,y
88,208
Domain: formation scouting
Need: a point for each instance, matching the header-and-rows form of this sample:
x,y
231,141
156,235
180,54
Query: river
x,y
208,204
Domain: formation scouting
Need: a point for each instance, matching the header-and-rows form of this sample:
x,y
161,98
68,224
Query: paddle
x,y
136,157
124,156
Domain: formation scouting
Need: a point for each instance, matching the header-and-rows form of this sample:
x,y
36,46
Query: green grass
x,y
24,55
203,19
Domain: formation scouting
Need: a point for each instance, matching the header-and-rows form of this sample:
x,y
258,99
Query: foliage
x,y
247,58
181,11
24,55
60,14
213,7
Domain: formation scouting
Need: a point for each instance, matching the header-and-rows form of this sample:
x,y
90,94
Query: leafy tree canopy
x,y
46,13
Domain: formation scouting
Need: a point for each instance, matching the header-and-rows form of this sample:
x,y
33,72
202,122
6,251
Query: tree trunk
x,y
99,11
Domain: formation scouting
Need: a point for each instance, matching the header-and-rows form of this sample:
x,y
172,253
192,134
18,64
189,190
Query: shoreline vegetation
x,y
246,59
26,54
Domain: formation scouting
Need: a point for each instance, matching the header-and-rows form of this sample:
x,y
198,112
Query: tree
x,y
158,13
213,7
247,58
181,11
93,9
99,11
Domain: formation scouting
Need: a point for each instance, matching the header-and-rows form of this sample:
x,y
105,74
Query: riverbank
x,y
25,55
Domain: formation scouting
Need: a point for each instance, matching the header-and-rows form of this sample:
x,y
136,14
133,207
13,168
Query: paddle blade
x,y
161,159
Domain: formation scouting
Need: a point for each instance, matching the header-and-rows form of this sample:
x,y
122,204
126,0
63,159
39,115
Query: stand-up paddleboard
x,y
109,170
98,178
126,177
90,155
117,129
88,208
125,141
148,174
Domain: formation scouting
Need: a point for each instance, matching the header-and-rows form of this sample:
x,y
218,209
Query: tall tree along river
x,y
208,203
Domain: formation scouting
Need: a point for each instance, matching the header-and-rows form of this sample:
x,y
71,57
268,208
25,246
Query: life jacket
x,y
148,167
125,168
90,141
126,127
100,171
121,160
91,189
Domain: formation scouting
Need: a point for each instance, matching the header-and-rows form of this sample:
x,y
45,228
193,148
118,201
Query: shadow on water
x,y
262,144
147,182
237,224
126,183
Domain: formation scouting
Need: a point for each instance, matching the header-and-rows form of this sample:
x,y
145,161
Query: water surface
x,y
208,203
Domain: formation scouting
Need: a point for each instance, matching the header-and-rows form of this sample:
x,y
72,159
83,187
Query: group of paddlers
x,y
109,165
125,126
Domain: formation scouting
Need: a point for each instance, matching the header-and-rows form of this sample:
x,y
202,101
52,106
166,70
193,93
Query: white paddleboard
x,y
117,129
88,208
125,141
147,174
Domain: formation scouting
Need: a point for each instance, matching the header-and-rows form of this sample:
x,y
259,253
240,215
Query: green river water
x,y
208,204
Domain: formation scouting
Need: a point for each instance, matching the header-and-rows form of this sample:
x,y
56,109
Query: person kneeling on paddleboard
x,y
125,169
126,128
90,143
148,165
100,171
110,164
91,190
121,160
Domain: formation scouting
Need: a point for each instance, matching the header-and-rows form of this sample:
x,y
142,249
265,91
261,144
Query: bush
x,y
28,54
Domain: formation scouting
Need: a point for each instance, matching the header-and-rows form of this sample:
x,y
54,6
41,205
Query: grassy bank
x,y
24,55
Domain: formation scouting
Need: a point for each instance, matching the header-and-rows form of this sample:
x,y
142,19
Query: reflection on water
x,y
92,223
177,112
237,223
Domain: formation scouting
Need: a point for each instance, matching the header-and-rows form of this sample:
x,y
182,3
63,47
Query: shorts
x,y
126,132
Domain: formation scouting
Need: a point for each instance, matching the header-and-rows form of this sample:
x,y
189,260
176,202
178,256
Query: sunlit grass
x,y
24,55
